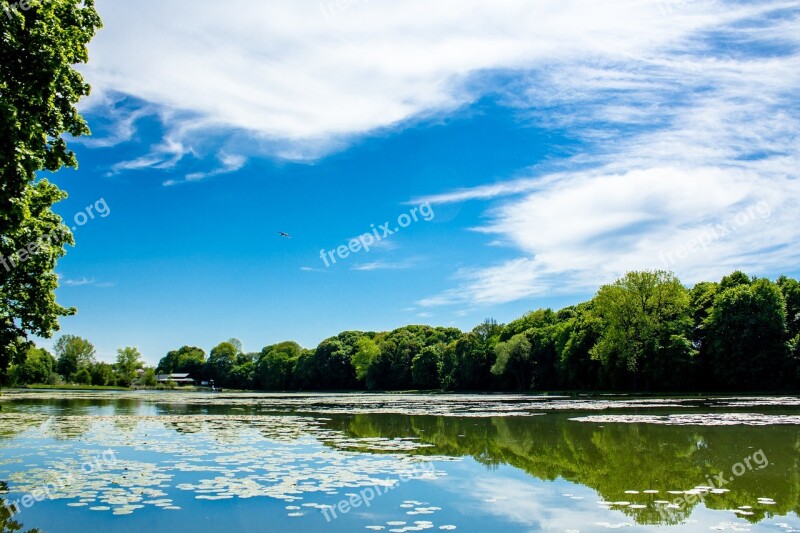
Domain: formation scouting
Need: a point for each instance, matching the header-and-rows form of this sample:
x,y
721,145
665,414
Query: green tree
x,y
149,377
39,90
513,361
367,351
734,279
275,365
790,288
237,344
83,377
425,368
128,361
645,322
242,376
73,353
38,367
475,356
185,360
747,337
577,334
102,374
448,367
221,362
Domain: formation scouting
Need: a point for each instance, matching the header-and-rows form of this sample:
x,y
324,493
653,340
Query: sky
x,y
533,151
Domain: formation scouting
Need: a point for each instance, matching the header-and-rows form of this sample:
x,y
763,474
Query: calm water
x,y
260,462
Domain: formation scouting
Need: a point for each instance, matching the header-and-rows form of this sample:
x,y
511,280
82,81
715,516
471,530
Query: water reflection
x,y
636,465
617,459
9,523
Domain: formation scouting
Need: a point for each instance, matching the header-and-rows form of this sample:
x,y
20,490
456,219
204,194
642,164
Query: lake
x,y
174,461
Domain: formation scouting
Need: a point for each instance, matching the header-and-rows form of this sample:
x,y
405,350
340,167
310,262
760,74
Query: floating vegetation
x,y
462,405
704,419
288,458
179,452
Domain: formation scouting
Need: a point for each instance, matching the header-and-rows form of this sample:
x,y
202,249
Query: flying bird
x,y
284,234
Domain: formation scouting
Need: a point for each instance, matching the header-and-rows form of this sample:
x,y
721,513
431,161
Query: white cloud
x,y
687,113
704,182
380,265
229,163
84,282
298,81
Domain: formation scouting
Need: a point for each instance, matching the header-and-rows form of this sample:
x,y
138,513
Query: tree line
x,y
75,363
644,332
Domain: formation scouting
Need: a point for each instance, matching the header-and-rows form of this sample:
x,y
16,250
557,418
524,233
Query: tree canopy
x,y
39,90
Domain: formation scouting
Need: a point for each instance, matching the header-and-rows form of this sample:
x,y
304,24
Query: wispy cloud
x,y
279,77
161,157
84,282
380,265
312,269
229,163
675,144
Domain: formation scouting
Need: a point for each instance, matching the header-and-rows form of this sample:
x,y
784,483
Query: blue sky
x,y
559,144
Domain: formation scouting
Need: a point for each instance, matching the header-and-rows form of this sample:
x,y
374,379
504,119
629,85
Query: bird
x,y
284,234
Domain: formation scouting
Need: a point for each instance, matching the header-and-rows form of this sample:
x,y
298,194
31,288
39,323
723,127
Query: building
x,y
181,379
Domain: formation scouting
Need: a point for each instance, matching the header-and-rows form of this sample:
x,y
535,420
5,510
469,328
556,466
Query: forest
x,y
644,332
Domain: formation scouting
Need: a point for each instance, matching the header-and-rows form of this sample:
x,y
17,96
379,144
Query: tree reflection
x,y
8,523
615,458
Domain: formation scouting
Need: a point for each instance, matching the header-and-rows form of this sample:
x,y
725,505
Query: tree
x,y
221,362
83,377
185,360
747,337
242,376
790,288
237,344
448,367
513,361
149,377
102,374
425,368
128,361
73,353
38,367
331,367
367,351
645,318
39,90
577,334
275,365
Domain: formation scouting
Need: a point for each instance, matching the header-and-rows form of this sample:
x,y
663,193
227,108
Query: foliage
x,y
747,337
425,368
149,377
646,327
103,374
275,365
185,360
644,332
220,363
39,367
74,354
39,90
128,361
367,351
514,363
